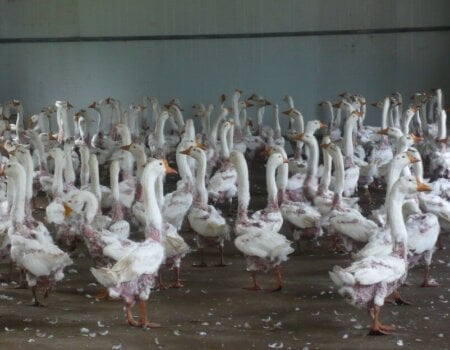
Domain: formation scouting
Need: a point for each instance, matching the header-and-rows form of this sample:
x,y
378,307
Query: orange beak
x,y
67,210
168,168
383,131
92,105
298,137
325,145
52,138
126,147
412,159
2,171
417,138
266,152
323,125
285,161
421,187
187,151
288,112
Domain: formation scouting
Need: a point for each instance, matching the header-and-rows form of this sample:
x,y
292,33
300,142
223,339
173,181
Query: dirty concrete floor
x,y
212,311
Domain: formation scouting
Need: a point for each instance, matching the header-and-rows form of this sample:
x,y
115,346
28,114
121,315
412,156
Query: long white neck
x,y
339,173
43,121
95,177
299,124
348,136
237,121
260,116
200,186
141,161
189,130
326,177
58,183
276,117
114,180
442,125
19,120
91,205
272,191
69,173
395,215
214,130
39,146
17,213
29,171
313,160
63,115
160,123
125,135
152,212
406,120
230,138
224,143
182,164
384,115
99,120
243,185
179,118
84,167
396,166
159,190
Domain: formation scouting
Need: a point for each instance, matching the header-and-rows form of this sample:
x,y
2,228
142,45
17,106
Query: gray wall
x,y
309,68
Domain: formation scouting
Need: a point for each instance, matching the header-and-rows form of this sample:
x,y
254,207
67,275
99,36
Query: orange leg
x,y
177,283
131,321
255,286
377,327
144,322
36,301
279,280
426,279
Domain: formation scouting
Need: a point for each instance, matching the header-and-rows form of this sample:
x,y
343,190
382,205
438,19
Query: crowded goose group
x,y
101,172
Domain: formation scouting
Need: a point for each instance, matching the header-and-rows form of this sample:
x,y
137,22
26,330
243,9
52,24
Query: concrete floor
x,y
212,311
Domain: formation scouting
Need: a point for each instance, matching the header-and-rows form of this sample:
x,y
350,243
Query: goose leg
x,y
161,284
144,322
202,259
131,321
221,262
255,286
426,278
279,280
36,301
378,328
177,283
102,295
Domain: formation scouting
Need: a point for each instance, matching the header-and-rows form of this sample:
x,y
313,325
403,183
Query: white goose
x,y
263,248
367,282
133,276
205,220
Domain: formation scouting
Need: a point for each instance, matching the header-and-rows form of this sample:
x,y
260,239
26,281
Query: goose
x,y
343,220
367,282
133,276
210,227
177,203
62,108
222,185
31,250
263,248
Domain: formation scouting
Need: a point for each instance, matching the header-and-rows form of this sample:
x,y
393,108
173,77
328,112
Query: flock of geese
x,y
102,170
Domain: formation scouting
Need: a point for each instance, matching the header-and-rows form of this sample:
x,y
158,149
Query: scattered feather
x,y
103,333
5,297
276,345
117,347
345,336
177,332
9,329
84,330
400,342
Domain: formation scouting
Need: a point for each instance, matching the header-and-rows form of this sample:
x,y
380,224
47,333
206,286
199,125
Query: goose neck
x,y
58,183
18,203
152,211
201,192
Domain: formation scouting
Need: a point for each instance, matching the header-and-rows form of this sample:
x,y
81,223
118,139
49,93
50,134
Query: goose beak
x,y
30,123
200,145
412,159
416,138
266,152
337,105
92,105
52,137
142,108
67,211
322,125
288,112
375,104
325,145
298,137
126,147
2,171
223,98
248,104
267,103
168,168
383,131
187,151
69,106
229,109
285,161
421,187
